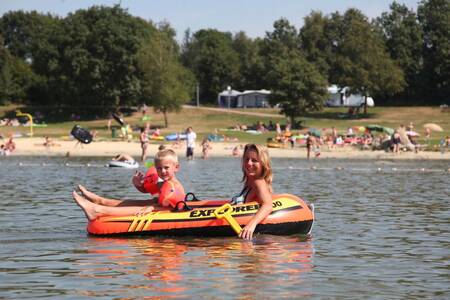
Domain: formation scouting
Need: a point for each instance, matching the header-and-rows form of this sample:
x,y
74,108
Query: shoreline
x,y
34,147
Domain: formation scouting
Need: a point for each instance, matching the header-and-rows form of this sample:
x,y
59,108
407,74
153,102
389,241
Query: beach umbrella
x,y
388,130
412,133
315,132
433,126
380,128
327,130
375,128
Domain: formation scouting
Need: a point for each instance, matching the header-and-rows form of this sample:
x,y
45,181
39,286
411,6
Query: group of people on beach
x,y
8,147
161,179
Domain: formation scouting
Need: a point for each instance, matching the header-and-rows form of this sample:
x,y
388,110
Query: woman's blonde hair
x,y
264,159
166,154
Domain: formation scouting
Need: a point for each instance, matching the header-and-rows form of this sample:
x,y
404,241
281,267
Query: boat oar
x,y
224,212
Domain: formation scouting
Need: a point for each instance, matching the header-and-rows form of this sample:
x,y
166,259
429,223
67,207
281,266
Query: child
x,y
236,151
124,157
143,138
205,148
171,192
257,178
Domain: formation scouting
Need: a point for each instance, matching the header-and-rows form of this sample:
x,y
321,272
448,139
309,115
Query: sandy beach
x,y
35,147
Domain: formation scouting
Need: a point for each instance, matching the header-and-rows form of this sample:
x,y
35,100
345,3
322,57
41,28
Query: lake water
x,y
382,231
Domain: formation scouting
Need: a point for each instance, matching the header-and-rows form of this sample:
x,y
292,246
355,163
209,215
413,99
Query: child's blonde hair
x,y
264,158
166,154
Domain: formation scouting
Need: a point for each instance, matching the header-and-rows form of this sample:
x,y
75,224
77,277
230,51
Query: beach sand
x,y
35,147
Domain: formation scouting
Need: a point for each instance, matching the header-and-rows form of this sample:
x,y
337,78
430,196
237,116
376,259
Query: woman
x,y
257,178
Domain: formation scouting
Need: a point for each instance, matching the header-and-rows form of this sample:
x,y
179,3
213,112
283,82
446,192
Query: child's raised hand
x,y
138,181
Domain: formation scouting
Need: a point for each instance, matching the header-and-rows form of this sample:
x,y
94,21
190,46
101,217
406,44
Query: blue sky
x,y
255,17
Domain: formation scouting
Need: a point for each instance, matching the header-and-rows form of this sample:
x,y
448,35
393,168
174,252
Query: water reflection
x,y
183,267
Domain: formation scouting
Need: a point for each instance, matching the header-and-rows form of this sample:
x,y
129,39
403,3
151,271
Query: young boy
x,y
171,192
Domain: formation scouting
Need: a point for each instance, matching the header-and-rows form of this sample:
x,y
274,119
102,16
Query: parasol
x,y
379,128
433,126
315,132
375,128
412,133
389,130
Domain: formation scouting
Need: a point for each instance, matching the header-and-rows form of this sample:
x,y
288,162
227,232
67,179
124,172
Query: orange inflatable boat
x,y
290,215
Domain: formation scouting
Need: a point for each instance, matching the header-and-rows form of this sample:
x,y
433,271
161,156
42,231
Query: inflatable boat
x,y
81,134
273,143
123,164
175,137
156,138
290,215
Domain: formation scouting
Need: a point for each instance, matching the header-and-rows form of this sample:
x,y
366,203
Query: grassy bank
x,y
205,122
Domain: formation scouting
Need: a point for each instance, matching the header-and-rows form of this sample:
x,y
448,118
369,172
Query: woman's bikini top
x,y
241,197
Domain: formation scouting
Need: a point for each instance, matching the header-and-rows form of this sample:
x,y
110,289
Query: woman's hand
x,y
265,198
247,231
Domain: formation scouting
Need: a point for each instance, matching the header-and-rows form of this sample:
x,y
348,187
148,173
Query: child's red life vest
x,y
151,181
171,193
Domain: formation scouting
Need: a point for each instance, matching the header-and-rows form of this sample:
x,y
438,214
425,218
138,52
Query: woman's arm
x,y
265,196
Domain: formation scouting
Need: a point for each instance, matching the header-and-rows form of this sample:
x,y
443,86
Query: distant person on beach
x,y
334,136
143,138
191,136
171,192
427,135
396,141
10,145
310,143
48,142
236,150
278,129
124,157
257,178
206,146
94,134
3,150
442,144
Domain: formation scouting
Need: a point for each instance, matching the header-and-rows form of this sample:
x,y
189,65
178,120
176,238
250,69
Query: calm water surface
x,y
381,232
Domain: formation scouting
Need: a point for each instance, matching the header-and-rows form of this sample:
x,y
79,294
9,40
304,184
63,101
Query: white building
x,y
339,97
250,98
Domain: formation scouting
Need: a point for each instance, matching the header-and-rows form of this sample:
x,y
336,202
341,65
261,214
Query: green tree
x,y
278,43
210,56
99,66
435,21
165,82
403,37
32,38
25,33
15,77
250,63
362,62
317,41
296,84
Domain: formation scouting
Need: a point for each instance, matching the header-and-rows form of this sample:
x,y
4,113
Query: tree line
x,y
95,60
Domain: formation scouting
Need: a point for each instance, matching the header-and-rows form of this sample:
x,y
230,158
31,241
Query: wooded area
x,y
96,60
